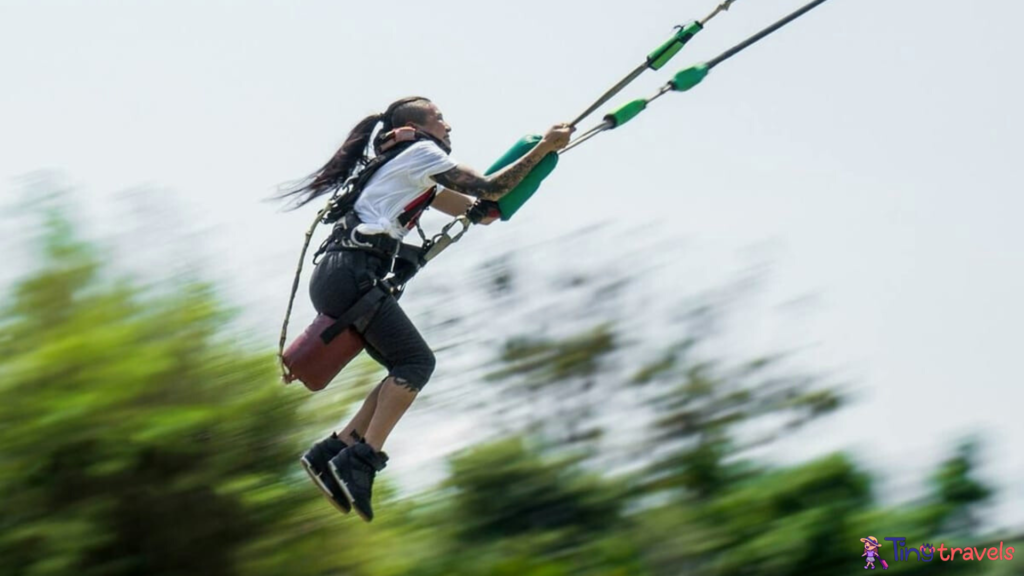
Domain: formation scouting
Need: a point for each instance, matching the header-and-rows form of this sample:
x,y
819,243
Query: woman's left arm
x,y
455,204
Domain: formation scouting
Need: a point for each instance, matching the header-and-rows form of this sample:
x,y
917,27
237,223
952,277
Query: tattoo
x,y
464,180
405,384
468,181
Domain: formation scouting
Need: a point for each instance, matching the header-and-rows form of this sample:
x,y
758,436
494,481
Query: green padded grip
x,y
662,54
510,203
626,112
686,79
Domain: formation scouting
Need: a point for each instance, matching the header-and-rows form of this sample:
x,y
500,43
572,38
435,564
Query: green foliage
x,y
139,437
504,490
704,405
957,491
791,521
134,440
545,362
557,379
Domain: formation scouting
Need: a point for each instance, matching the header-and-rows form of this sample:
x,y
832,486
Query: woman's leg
x,y
410,364
394,399
355,431
334,288
356,428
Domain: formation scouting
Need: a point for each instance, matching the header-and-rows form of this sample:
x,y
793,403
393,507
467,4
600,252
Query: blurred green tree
x,y
711,413
958,492
138,436
508,509
505,490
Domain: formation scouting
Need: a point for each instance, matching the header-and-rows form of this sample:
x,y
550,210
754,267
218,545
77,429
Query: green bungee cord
x,y
683,80
657,58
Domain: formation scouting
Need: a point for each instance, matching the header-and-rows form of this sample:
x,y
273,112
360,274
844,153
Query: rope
x,y
286,375
655,60
609,123
606,125
610,94
612,120
723,7
762,34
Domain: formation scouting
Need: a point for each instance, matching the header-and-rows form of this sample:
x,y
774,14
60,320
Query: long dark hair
x,y
353,152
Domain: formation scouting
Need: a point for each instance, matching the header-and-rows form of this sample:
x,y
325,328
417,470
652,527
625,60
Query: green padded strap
x,y
510,203
662,54
688,78
626,112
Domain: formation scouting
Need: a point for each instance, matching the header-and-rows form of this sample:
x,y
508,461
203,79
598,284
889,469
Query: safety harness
x,y
403,260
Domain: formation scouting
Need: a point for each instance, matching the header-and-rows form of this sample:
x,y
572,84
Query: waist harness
x,y
404,259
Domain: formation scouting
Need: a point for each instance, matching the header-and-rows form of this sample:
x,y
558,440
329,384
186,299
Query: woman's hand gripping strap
x,y
511,202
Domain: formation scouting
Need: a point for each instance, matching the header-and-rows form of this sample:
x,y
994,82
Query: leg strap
x,y
363,306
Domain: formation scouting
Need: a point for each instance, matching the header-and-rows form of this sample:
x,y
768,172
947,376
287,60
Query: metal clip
x,y
442,240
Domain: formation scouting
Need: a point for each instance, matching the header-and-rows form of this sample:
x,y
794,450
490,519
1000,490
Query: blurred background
x,y
768,318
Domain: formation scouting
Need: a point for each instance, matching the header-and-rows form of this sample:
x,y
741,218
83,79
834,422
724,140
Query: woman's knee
x,y
415,371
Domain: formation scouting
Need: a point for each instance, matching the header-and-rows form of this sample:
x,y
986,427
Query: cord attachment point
x,y
689,77
662,54
443,239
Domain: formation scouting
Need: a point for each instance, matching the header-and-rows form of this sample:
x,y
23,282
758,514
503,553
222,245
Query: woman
x,y
413,141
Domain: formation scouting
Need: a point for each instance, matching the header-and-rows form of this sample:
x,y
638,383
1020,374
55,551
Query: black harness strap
x,y
344,237
361,308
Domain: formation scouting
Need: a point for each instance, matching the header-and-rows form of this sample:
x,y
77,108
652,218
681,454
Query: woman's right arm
x,y
468,181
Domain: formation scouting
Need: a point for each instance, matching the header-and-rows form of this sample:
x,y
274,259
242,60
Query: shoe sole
x,y
348,494
308,467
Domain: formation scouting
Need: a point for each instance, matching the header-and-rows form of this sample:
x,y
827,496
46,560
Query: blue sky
x,y
871,151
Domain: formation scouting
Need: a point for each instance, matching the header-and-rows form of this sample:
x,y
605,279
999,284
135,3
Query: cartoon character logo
x,y
871,547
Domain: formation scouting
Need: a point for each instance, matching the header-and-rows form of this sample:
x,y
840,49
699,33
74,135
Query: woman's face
x,y
436,126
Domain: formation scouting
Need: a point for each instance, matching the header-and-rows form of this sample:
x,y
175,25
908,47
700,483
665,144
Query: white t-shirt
x,y
401,184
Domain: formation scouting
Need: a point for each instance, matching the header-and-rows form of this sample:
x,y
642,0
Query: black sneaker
x,y
354,469
315,461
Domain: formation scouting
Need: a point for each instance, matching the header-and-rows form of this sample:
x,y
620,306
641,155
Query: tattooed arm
x,y
468,181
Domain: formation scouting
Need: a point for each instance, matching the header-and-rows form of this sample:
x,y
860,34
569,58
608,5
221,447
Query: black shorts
x,y
338,281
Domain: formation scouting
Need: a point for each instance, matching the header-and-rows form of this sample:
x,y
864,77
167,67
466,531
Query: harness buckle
x,y
442,239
